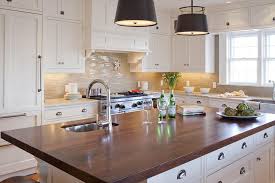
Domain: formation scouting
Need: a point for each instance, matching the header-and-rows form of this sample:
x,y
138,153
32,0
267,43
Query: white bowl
x,y
204,90
189,89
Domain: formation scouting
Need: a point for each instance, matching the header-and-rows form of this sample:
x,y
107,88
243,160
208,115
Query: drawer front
x,y
243,147
219,158
13,123
222,103
264,136
196,101
71,111
239,171
189,172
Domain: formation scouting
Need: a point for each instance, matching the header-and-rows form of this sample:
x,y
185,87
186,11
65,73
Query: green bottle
x,y
172,105
162,106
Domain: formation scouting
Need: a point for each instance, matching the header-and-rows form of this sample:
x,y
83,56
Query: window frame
x,y
229,38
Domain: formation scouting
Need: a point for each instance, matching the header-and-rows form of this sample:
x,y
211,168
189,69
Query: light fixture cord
x,y
192,6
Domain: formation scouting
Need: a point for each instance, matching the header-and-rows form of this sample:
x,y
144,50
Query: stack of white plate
x,y
72,96
190,110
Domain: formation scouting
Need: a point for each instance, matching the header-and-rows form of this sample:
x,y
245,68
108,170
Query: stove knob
x,y
139,103
122,107
134,105
117,106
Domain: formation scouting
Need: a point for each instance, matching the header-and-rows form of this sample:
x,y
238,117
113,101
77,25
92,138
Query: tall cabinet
x,y
20,84
63,38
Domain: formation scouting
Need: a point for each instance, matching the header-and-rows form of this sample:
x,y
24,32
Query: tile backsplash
x,y
120,81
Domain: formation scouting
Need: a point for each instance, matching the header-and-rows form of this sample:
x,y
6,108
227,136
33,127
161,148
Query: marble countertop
x,y
62,102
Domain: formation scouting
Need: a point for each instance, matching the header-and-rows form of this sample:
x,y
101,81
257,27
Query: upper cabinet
x,y
64,9
23,5
193,54
263,15
63,46
20,64
229,20
163,26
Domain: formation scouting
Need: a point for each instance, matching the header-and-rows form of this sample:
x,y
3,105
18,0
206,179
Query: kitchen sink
x,y
86,127
263,101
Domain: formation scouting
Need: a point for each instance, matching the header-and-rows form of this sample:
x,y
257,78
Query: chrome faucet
x,y
108,105
273,90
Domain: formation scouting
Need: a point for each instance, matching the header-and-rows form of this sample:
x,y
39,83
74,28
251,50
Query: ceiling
x,y
175,4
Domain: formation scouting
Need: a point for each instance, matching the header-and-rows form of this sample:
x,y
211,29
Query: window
x,y
269,57
243,59
247,58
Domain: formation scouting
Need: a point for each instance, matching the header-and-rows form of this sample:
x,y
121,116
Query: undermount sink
x,y
264,101
86,127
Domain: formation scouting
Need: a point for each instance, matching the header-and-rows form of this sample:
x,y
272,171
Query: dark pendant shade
x,y
192,21
192,24
136,13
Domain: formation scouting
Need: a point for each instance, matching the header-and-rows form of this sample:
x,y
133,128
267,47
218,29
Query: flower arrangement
x,y
171,79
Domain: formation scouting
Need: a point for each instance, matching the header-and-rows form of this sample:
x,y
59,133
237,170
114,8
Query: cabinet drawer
x,y
239,171
196,101
188,172
243,147
13,123
219,158
222,103
70,111
264,136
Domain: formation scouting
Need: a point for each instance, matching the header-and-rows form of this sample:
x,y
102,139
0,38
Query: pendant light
x,y
136,13
192,21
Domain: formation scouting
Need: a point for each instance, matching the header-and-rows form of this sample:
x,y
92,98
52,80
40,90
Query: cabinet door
x,y
71,9
238,18
120,43
217,21
263,15
52,44
196,58
24,39
163,26
35,5
52,8
160,56
110,16
2,58
262,166
180,53
141,44
71,45
99,20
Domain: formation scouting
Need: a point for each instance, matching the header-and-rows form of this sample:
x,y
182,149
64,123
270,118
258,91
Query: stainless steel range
x,y
124,102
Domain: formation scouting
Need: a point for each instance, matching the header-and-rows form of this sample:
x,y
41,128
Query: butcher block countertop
x,y
132,151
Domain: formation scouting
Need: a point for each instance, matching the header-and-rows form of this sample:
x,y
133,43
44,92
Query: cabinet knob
x,y
198,102
181,174
59,114
242,171
157,27
224,105
273,18
259,159
62,13
84,110
9,0
220,182
244,146
265,135
221,156
227,23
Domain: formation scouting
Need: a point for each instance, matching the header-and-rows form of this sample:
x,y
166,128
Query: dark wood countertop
x,y
133,152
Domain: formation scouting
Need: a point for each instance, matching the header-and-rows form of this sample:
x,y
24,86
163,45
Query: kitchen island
x,y
134,152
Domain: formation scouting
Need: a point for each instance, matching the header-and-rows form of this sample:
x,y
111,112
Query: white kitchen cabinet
x,y
64,9
263,15
14,161
163,26
159,59
97,15
229,20
23,5
262,165
21,64
187,58
238,172
63,46
58,114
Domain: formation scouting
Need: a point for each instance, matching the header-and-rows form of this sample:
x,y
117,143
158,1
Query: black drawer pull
x,y
221,156
62,13
181,174
265,136
259,159
220,182
244,146
242,171
59,114
198,102
84,110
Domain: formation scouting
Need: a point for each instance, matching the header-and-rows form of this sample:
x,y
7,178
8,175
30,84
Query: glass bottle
x,y
172,105
162,106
